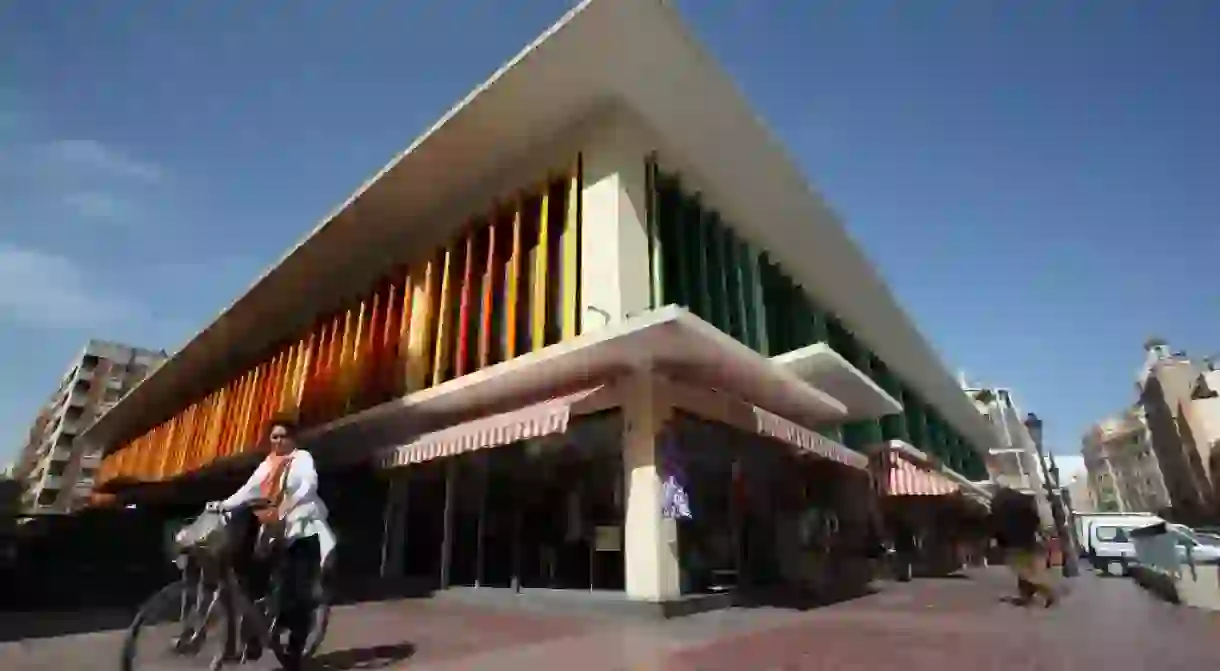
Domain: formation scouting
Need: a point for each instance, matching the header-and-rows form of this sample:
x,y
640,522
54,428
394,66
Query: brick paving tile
x,y
932,624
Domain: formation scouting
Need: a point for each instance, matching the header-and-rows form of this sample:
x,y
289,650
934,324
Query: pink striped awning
x,y
534,421
806,440
902,477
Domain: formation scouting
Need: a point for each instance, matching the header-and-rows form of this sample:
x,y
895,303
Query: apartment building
x,y
1124,472
1167,382
55,472
1013,461
1202,415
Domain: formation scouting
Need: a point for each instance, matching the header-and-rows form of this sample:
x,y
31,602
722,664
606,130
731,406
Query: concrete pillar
x,y
393,537
650,542
615,247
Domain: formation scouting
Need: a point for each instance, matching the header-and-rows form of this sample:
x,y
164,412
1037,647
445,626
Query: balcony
x,y
77,399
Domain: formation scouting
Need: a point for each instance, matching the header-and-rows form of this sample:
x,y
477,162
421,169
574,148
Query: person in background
x,y
1018,532
905,547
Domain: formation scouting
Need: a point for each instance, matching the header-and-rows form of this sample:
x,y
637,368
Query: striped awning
x,y
534,421
773,426
902,477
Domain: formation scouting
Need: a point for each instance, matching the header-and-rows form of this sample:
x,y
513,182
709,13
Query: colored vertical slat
x,y
466,308
672,207
442,349
342,364
215,421
570,240
539,315
283,378
487,294
292,355
745,294
334,360
387,367
760,336
370,346
717,270
656,261
734,301
245,431
351,366
229,423
692,223
402,367
419,343
310,395
302,382
512,273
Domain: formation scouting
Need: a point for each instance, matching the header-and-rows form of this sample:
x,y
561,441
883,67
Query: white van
x,y
1106,540
1111,549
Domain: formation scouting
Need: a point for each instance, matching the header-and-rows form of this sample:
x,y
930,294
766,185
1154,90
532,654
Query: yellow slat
x,y
540,304
443,346
512,276
418,347
571,256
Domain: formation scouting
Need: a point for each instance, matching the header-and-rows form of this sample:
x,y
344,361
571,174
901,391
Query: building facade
x,y
1013,461
1123,469
57,473
1202,415
1166,384
593,352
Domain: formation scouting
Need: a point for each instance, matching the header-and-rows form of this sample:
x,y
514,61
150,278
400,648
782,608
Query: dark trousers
x,y
294,567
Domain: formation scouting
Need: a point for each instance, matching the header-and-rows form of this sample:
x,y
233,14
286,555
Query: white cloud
x,y
90,156
51,291
100,205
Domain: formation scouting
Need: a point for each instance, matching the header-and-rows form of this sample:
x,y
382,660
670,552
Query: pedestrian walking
x,y
1018,532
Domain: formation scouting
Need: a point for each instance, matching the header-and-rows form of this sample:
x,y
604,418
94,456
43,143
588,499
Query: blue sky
x,y
1035,179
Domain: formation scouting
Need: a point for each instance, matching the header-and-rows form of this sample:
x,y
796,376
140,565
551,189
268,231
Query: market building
x,y
591,331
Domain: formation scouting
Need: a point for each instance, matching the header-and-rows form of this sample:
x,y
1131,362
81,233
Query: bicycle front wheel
x,y
180,627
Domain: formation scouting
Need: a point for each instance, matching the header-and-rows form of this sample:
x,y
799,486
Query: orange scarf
x,y
272,486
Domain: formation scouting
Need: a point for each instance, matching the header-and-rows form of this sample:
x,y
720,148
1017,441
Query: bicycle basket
x,y
209,533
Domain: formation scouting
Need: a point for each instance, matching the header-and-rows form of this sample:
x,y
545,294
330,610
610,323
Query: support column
x,y
614,263
393,537
650,542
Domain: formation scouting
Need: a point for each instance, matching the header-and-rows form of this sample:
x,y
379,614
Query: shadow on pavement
x,y
375,657
17,626
790,599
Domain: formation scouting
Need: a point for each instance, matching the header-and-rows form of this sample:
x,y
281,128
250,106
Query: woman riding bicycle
x,y
294,531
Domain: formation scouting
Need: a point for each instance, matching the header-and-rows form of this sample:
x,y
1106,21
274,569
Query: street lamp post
x,y
1034,425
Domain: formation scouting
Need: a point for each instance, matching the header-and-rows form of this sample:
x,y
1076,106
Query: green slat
x,y
670,217
747,281
692,223
734,303
759,310
656,252
717,273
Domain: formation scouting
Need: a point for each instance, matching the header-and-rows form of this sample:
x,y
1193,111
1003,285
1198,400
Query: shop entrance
x,y
544,514
762,516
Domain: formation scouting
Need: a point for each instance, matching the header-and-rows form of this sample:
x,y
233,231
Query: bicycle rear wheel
x,y
179,627
321,621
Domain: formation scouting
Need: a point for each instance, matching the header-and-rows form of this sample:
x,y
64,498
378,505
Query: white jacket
x,y
303,511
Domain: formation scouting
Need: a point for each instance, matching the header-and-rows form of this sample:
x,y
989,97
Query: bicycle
x,y
210,596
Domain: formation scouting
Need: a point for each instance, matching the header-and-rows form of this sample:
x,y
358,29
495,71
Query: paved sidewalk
x,y
930,624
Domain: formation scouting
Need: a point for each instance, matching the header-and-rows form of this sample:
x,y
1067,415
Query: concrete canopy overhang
x,y
633,53
826,369
670,340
